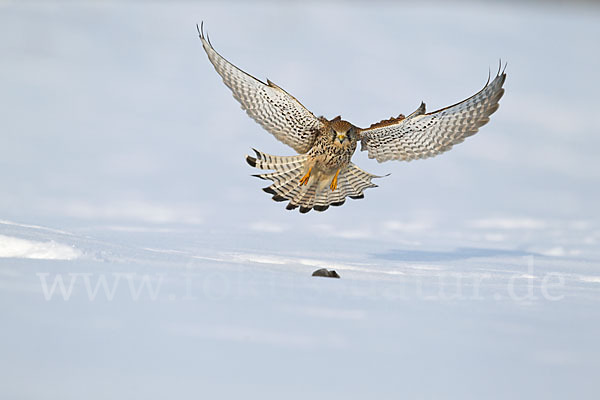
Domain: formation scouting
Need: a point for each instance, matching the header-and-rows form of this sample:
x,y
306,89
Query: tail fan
x,y
288,170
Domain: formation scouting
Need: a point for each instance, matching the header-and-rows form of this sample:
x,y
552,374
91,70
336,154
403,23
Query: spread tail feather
x,y
286,186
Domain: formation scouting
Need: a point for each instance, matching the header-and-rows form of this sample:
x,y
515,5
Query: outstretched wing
x,y
422,135
272,107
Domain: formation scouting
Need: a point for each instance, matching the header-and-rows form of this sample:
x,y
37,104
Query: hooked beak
x,y
341,138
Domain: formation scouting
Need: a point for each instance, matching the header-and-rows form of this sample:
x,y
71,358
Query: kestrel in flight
x,y
322,174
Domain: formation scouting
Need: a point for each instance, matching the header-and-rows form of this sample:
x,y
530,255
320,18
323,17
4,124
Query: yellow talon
x,y
304,179
333,185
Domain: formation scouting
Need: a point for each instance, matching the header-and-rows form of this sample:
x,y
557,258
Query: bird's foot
x,y
333,185
305,178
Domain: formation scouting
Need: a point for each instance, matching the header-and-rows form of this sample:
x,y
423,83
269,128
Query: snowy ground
x,y
138,259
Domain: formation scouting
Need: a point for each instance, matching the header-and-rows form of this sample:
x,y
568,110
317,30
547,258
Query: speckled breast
x,y
329,156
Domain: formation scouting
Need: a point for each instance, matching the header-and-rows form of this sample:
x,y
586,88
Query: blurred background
x,y
121,151
111,111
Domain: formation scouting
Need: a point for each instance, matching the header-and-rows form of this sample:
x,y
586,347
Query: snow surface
x,y
138,258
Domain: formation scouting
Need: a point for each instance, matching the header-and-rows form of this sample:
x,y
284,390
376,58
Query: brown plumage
x,y
323,175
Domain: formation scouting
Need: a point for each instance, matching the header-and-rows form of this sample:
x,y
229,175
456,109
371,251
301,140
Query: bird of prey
x,y
322,174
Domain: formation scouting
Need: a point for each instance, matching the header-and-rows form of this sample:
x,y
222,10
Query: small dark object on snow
x,y
324,272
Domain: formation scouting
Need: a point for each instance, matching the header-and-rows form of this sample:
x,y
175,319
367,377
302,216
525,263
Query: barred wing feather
x,y
272,107
423,135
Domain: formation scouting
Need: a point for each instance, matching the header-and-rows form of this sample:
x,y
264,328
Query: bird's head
x,y
342,131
